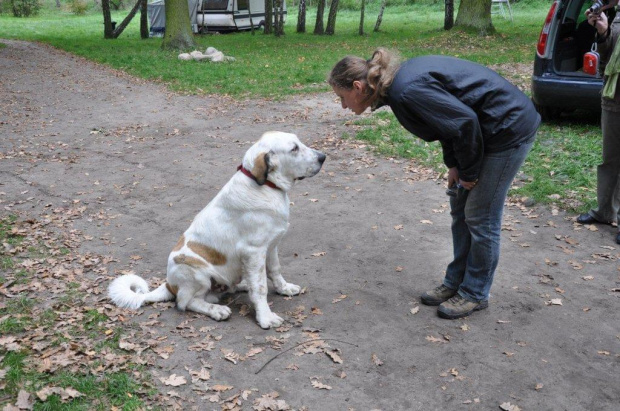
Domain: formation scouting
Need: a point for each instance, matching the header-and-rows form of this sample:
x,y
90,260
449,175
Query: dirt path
x,y
367,236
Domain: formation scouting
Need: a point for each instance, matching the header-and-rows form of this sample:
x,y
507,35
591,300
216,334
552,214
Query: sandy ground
x,y
367,236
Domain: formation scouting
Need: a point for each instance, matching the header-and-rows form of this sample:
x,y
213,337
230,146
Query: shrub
x,y
78,7
25,8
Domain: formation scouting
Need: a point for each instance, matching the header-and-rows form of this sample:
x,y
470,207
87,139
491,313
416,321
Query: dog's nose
x,y
322,158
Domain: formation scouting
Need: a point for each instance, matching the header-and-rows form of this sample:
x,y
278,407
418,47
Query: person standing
x,y
486,126
608,172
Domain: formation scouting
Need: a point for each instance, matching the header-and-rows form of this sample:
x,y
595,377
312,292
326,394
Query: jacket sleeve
x,y
456,124
606,46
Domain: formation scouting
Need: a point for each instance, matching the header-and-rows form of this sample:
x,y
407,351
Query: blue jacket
x,y
470,109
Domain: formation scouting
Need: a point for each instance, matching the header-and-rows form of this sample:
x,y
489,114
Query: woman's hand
x,y
599,21
453,177
454,180
468,185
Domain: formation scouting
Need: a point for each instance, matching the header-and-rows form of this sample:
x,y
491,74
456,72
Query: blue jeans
x,y
477,222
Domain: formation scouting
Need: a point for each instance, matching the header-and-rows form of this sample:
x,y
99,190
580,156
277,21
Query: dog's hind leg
x,y
192,297
275,275
215,311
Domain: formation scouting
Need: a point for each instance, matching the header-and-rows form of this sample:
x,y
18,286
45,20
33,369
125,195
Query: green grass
x,y
99,392
272,67
560,169
23,314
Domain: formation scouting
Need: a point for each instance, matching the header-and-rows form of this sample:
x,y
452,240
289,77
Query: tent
x,y
156,11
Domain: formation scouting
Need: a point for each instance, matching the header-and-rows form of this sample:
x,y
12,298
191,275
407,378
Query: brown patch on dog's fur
x,y
180,243
210,254
191,261
173,289
261,168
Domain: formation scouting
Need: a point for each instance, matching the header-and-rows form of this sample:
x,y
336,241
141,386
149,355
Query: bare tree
x,y
380,16
111,32
301,17
144,23
448,20
475,14
178,33
331,18
268,27
251,20
318,27
363,11
279,17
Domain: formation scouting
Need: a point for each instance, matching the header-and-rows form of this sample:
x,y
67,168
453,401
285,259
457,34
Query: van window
x,y
214,4
242,4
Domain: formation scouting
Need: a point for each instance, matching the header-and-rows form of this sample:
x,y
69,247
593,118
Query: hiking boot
x,y
459,307
437,295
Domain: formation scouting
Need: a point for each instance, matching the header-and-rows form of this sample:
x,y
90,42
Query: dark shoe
x,y
618,238
586,218
459,307
437,295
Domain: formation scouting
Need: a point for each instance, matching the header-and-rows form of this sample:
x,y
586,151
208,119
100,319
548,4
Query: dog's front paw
x,y
219,312
289,289
269,320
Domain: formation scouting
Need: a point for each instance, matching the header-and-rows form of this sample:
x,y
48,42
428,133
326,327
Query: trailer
x,y
215,15
233,15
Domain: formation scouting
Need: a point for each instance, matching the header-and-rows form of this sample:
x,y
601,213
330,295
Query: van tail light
x,y
541,47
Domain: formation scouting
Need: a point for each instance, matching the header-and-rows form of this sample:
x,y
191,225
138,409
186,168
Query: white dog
x,y
235,237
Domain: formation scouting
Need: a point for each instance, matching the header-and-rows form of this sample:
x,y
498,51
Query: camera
x,y
598,5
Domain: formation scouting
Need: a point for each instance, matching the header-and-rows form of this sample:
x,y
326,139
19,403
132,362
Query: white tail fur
x,y
131,291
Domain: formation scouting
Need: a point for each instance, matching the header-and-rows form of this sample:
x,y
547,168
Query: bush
x,y
25,8
78,7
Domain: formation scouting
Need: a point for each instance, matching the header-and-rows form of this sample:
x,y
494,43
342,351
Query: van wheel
x,y
548,113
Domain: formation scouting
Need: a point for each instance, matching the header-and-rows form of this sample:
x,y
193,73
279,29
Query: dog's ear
x,y
261,168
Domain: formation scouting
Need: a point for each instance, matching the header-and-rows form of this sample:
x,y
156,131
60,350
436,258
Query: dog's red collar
x,y
253,177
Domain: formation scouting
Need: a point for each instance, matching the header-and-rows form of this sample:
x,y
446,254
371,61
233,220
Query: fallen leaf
x,y
435,339
375,360
333,354
509,407
221,388
174,380
320,386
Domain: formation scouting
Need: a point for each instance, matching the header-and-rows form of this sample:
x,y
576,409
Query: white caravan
x,y
232,15
214,15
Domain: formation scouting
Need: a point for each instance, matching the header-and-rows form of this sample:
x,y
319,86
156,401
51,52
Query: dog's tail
x,y
131,291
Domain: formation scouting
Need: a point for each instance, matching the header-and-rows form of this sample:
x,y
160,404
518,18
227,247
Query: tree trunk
x,y
268,29
331,19
108,32
380,16
144,23
301,17
318,27
363,11
251,20
58,3
448,20
476,15
280,29
178,33
121,27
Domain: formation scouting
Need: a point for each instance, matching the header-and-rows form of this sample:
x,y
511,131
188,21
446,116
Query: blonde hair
x,y
377,73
